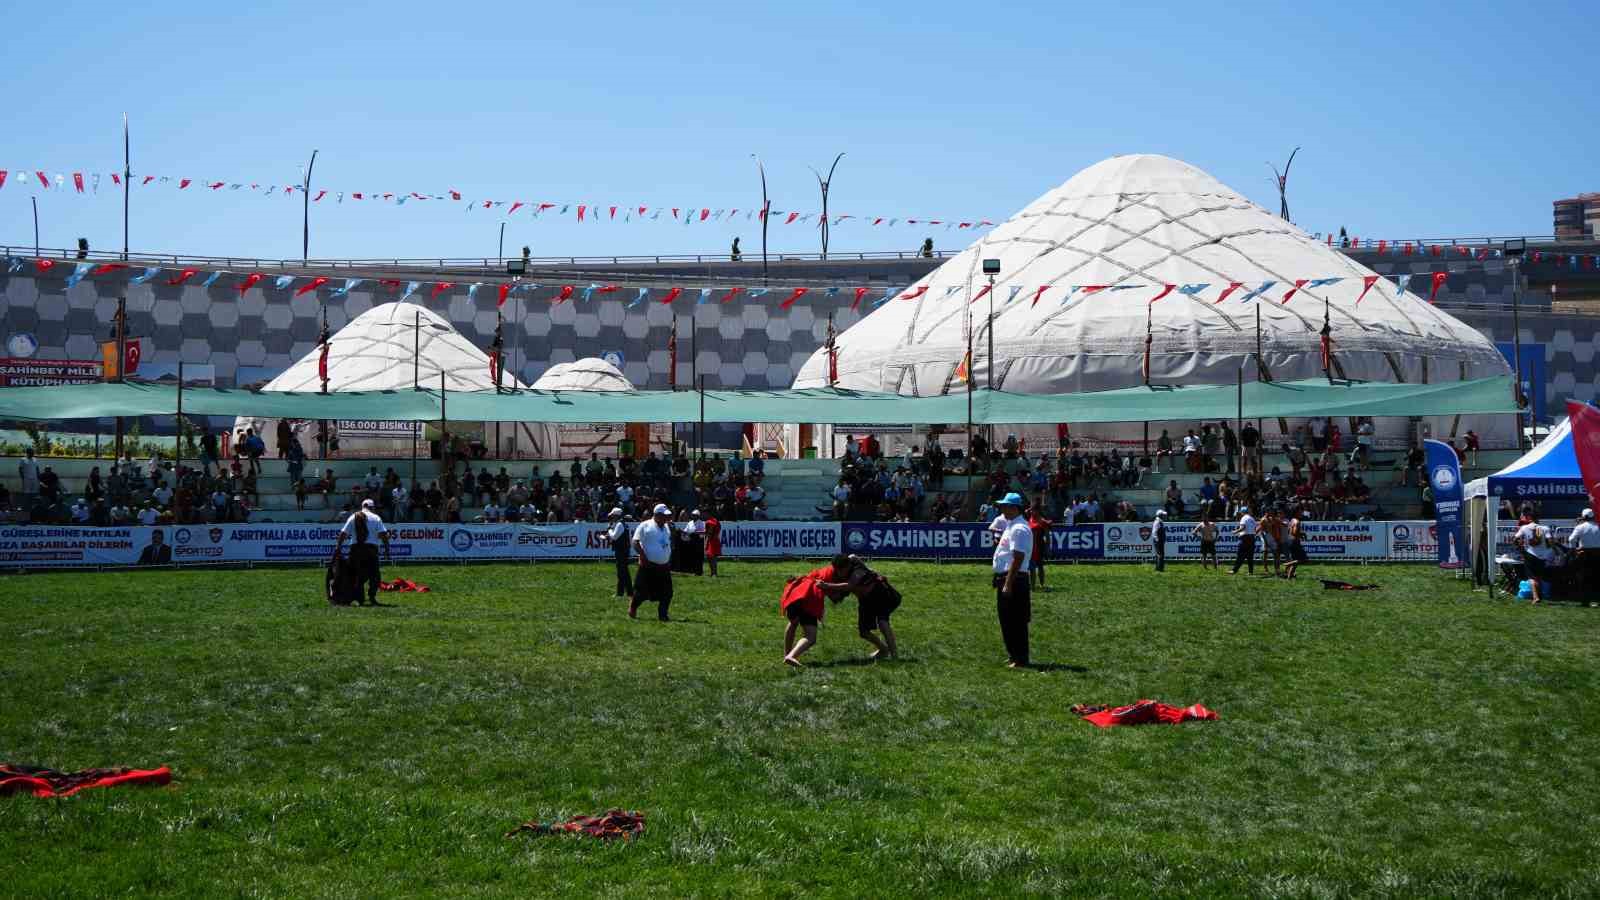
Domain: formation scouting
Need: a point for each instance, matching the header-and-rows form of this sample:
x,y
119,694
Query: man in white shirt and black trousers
x,y
1158,539
621,539
1013,601
1249,527
365,528
652,540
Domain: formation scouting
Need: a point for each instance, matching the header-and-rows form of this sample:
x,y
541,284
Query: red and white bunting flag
x,y
792,217
505,291
1165,290
516,205
732,292
105,268
183,276
798,293
1298,284
1037,294
249,282
915,294
77,181
1366,285
564,294
440,287
312,285
671,295
1232,286
979,295
856,303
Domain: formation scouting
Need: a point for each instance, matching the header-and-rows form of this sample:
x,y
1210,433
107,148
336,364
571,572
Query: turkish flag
x,y
1366,285
505,291
979,295
671,295
322,362
131,354
1169,288
566,293
494,364
798,293
915,294
1232,286
185,275
77,181
440,288
310,286
45,265
860,292
734,292
249,282
103,268
1298,284
1586,445
1438,282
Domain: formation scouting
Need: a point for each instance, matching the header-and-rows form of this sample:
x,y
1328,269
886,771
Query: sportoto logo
x,y
1402,532
461,540
1114,534
856,539
1443,478
181,536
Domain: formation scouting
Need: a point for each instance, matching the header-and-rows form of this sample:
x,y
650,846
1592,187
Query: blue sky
x,y
1417,120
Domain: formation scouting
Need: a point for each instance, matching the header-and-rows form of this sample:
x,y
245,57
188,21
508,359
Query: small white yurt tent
x,y
391,346
552,441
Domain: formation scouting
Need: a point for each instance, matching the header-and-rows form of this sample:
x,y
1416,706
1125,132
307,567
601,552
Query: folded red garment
x,y
50,783
1145,712
613,824
403,586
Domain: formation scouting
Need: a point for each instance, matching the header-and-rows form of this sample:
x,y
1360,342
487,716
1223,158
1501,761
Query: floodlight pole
x,y
1516,345
122,357
35,226
305,238
416,354
127,179
502,252
765,208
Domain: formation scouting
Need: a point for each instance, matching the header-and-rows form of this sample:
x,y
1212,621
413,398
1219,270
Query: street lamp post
x,y
824,184
1513,250
305,235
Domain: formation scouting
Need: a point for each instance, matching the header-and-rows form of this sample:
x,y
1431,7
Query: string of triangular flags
x,y
1468,250
89,183
1215,293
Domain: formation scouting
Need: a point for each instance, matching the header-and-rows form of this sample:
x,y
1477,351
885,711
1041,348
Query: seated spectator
x,y
491,512
1173,503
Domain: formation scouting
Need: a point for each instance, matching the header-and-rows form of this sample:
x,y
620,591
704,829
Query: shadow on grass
x,y
862,661
1055,667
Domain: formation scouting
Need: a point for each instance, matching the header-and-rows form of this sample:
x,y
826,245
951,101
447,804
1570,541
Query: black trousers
x,y
624,577
1015,612
1161,554
364,557
1247,554
654,585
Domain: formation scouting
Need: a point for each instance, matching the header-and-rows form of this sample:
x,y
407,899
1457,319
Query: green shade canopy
x,y
1297,399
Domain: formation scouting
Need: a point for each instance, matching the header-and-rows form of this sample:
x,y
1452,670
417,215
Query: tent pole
x,y
444,426
416,354
177,441
701,381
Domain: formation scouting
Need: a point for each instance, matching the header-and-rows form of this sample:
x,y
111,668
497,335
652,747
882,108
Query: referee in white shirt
x,y
652,540
364,528
618,537
1013,600
1249,527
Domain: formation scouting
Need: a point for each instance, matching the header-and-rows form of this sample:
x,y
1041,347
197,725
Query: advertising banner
x,y
959,540
40,372
1324,540
1444,474
382,428
776,539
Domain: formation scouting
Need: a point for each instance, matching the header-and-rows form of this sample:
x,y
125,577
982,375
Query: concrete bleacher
x,y
796,488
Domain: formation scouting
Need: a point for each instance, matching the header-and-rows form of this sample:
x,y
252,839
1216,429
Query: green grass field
x,y
1417,740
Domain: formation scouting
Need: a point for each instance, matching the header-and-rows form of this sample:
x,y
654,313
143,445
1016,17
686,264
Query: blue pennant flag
x,y
15,266
643,293
211,279
1193,289
705,294
760,292
472,290
831,292
1322,282
1016,289
78,271
411,288
888,293
1402,283
283,281
588,292
144,276
1265,286
348,284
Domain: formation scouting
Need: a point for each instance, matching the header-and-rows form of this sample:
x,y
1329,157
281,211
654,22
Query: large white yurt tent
x,y
1125,229
551,441
385,348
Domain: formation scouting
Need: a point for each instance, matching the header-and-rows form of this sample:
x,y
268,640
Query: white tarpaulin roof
x,y
1147,221
591,374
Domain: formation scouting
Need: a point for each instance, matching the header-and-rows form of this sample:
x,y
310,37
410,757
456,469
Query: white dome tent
x,y
1127,227
385,348
552,441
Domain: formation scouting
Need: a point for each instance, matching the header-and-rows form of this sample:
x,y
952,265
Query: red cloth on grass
x,y
614,823
403,586
43,782
1145,712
